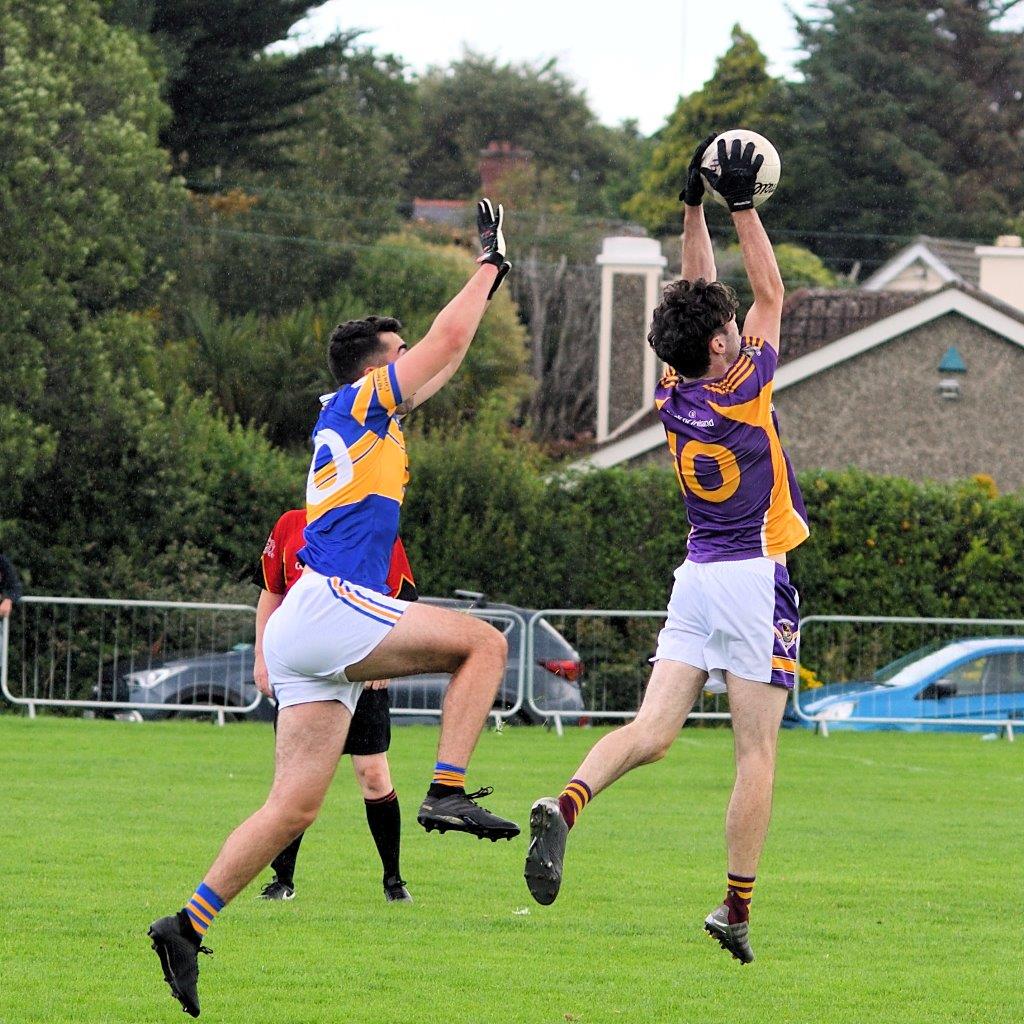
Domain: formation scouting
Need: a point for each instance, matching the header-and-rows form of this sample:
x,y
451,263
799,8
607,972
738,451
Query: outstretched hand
x,y
492,241
693,190
736,179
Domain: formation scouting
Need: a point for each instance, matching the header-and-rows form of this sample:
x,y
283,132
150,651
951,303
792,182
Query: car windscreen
x,y
917,670
886,672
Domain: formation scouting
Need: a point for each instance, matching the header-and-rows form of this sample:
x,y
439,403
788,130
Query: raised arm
x,y
764,319
431,388
445,345
735,183
698,255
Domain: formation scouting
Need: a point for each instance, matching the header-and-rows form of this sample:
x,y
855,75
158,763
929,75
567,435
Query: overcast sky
x,y
633,58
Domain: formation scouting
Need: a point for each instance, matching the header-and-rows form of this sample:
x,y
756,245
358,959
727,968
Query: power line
x,y
404,208
343,246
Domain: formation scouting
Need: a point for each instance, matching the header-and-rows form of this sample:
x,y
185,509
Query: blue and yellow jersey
x,y
356,482
740,491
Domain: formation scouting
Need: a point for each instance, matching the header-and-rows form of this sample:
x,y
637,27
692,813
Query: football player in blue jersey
x,y
338,627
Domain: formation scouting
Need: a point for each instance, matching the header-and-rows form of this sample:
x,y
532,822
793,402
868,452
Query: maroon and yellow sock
x,y
573,799
738,895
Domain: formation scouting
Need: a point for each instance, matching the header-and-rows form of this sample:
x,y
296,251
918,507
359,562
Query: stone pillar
x,y
627,369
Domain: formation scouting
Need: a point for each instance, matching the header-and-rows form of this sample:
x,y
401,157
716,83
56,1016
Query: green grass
x,y
891,889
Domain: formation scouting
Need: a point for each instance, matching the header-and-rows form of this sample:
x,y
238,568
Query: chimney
x,y
497,160
627,369
1001,269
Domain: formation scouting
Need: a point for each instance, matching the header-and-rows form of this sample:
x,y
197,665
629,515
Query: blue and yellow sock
x,y
448,779
204,906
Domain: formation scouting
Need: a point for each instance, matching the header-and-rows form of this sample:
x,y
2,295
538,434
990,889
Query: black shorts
x,y
370,731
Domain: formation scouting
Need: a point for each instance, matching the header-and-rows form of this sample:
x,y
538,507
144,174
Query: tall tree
x,y
535,107
84,195
231,101
740,94
910,114
342,184
102,484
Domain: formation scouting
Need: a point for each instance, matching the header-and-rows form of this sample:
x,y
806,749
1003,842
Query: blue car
x,y
963,679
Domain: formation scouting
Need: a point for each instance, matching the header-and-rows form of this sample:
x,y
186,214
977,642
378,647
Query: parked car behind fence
x,y
225,678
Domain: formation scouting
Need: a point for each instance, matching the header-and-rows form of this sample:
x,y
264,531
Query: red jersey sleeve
x,y
278,568
400,580
269,574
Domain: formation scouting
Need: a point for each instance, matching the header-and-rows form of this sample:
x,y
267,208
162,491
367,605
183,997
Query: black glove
x,y
693,191
737,175
492,241
503,270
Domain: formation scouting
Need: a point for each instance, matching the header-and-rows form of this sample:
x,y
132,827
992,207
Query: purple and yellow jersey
x,y
356,482
741,495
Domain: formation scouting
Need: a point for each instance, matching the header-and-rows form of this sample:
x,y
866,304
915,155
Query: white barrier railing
x,y
109,655
911,672
614,646
115,655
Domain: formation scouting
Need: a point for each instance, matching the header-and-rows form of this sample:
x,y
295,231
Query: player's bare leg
x,y
310,738
384,817
756,716
430,639
671,693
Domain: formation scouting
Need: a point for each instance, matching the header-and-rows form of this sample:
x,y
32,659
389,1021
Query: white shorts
x,y
738,617
323,626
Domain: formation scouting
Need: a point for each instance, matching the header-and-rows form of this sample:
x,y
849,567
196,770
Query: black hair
x,y
690,314
355,344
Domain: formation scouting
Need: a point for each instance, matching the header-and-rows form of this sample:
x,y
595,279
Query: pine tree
x,y
231,101
909,115
740,94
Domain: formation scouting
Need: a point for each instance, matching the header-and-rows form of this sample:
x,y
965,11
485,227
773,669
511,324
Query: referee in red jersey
x,y
370,734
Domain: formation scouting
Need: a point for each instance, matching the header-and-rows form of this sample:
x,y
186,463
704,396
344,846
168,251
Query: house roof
x,y
951,259
451,212
959,256
812,317
971,303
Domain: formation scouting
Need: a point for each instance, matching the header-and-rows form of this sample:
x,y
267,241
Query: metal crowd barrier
x,y
120,656
113,656
565,665
614,648
970,671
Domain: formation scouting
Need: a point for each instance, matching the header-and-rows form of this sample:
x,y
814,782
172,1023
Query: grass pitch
x,y
890,890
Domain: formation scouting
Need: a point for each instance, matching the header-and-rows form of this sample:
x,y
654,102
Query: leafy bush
x,y
481,514
269,371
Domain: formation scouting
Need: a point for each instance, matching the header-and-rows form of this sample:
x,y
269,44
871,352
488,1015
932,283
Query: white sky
x,y
634,59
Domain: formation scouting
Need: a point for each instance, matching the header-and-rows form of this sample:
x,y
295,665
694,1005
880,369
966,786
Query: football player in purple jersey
x,y
732,618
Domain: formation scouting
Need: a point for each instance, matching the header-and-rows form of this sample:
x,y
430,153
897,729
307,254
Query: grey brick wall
x,y
627,355
881,411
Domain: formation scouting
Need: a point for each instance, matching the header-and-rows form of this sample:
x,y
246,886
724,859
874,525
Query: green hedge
x,y
483,516
480,514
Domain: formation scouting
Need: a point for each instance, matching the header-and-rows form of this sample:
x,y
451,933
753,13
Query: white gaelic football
x,y
767,176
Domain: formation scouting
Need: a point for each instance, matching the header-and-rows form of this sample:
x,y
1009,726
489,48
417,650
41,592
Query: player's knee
x,y
293,815
755,756
374,780
495,643
649,745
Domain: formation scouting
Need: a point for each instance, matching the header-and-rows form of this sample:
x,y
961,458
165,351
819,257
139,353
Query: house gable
x,y
996,318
